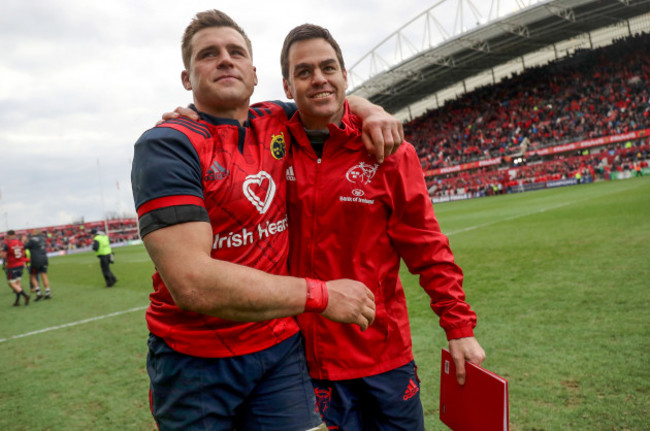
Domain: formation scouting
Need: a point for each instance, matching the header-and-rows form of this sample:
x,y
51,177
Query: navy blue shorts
x,y
387,401
268,390
38,269
14,273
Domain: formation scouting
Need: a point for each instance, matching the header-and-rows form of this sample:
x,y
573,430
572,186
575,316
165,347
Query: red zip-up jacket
x,y
353,218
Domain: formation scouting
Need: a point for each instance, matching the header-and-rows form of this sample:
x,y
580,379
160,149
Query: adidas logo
x,y
216,172
290,175
411,390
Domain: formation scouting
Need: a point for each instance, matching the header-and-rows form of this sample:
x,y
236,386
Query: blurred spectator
x,y
37,247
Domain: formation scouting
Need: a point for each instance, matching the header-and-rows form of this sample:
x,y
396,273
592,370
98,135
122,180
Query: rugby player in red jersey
x,y
13,252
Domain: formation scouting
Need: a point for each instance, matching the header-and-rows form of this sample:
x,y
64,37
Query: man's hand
x,y
382,134
462,349
350,301
179,112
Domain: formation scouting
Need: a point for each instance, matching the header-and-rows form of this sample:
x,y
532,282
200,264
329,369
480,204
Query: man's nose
x,y
224,60
319,77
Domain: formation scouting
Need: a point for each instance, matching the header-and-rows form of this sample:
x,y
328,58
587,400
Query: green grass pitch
x,y
560,280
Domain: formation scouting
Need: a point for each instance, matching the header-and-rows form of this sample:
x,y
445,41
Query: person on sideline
x,y
224,349
37,248
363,380
102,247
13,253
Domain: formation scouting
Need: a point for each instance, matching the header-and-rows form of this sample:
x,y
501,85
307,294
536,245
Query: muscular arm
x,y
199,283
218,288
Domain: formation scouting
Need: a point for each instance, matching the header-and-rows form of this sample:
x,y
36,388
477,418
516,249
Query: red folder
x,y
480,404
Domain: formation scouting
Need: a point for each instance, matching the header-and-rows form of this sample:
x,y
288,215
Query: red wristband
x,y
316,296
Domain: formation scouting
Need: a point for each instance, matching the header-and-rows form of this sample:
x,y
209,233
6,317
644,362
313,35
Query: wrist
x,y
317,296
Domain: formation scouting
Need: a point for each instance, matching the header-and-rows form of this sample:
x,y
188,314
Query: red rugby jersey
x,y
234,174
15,253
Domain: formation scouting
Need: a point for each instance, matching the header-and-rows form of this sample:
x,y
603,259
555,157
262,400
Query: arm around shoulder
x,y
382,133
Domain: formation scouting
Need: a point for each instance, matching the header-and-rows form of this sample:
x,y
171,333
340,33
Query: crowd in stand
x,y
590,94
588,167
79,236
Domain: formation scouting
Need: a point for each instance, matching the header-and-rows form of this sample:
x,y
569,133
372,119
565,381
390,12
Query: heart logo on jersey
x,y
253,185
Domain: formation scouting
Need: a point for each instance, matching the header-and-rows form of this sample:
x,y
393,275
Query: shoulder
x,y
276,109
405,154
182,129
174,140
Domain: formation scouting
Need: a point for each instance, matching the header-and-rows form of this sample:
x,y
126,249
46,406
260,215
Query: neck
x,y
320,123
239,113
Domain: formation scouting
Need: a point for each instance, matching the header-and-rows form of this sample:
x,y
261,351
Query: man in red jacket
x,y
382,214
13,252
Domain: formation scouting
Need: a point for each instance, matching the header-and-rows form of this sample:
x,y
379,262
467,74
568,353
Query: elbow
x,y
185,300
186,294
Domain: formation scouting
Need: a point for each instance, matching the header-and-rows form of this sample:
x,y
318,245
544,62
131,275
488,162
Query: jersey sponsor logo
x,y
259,189
216,172
278,146
410,391
361,174
357,199
291,176
244,237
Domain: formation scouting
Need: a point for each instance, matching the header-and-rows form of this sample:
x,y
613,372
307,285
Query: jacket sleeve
x,y
415,231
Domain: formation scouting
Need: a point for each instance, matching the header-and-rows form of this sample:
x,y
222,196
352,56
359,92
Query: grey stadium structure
x,y
428,60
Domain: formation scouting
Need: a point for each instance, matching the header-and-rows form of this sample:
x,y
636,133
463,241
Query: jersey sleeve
x,y
415,231
166,179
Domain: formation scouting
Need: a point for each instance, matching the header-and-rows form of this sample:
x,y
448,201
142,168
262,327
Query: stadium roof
x,y
451,61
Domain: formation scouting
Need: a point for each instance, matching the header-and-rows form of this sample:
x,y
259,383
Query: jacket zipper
x,y
315,214
311,260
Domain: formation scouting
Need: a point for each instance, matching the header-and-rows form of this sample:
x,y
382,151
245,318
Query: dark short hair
x,y
11,232
306,32
207,19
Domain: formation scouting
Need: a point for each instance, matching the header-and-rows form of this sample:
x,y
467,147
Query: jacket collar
x,y
346,135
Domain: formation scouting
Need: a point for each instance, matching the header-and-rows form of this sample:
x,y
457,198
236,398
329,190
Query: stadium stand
x,y
576,119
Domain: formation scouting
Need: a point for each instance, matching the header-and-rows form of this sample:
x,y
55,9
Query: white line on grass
x,y
67,325
563,204
478,226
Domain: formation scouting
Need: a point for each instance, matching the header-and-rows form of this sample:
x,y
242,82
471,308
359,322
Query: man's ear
x,y
287,89
185,78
